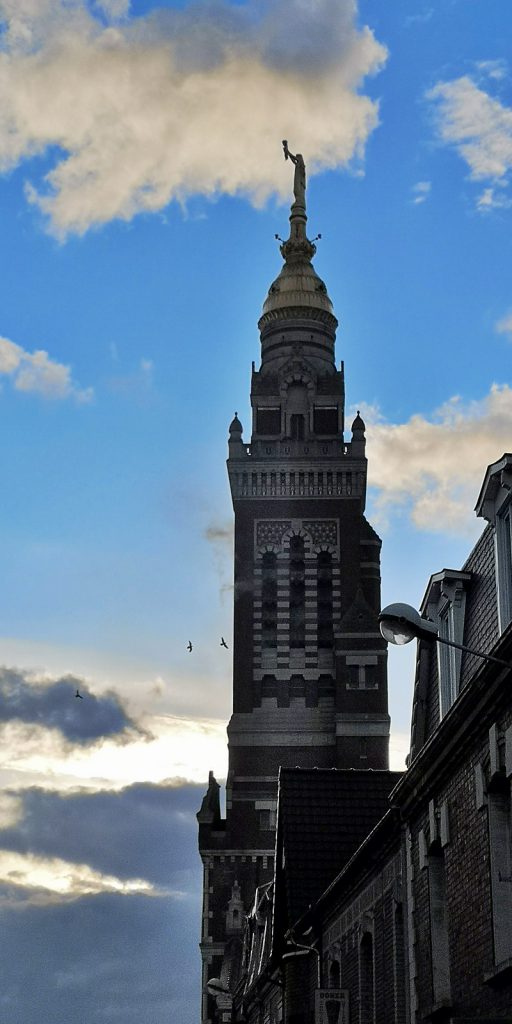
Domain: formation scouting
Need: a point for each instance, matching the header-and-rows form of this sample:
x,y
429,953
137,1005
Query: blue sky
x,y
142,183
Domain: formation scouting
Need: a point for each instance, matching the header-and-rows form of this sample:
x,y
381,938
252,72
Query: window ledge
x,y
501,974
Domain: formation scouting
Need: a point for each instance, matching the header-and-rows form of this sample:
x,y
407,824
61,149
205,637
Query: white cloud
x,y
496,69
62,878
493,198
179,748
11,809
479,126
504,326
114,9
433,467
35,371
10,356
160,107
421,191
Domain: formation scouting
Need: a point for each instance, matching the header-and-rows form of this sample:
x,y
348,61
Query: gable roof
x,y
324,814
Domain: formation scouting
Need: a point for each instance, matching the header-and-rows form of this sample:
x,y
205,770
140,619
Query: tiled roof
x,y
324,816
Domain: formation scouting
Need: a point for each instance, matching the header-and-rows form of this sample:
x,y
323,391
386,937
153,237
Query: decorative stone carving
x,y
323,532
270,532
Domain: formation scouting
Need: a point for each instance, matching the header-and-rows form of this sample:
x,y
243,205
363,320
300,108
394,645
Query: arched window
x,y
297,410
297,593
325,633
334,974
366,995
399,964
269,600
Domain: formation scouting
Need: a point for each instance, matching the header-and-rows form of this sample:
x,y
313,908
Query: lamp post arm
x,y
301,950
470,650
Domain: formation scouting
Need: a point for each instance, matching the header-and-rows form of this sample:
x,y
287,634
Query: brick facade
x,y
417,925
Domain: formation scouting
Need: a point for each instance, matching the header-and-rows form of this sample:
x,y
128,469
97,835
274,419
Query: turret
x,y
358,446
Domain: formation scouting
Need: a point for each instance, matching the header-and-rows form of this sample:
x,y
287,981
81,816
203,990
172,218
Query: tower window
x,y
269,600
268,421
297,593
267,819
324,600
325,420
297,427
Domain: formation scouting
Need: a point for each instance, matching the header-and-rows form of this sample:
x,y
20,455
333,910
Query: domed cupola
x,y
297,291
297,301
235,427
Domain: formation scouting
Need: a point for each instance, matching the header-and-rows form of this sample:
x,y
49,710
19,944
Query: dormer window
x,y
445,604
495,504
504,560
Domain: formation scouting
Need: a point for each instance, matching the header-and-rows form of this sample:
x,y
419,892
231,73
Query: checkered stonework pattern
x,y
276,535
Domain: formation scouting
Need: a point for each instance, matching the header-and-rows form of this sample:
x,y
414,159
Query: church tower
x,y
309,672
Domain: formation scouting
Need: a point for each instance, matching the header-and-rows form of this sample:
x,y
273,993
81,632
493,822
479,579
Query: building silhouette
x,y
309,671
335,890
415,925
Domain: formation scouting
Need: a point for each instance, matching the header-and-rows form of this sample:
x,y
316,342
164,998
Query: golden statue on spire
x,y
299,178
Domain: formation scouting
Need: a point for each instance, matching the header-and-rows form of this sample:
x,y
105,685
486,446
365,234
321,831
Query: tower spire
x,y
297,292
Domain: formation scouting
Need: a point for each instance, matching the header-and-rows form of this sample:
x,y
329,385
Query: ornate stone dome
x,y
297,288
298,292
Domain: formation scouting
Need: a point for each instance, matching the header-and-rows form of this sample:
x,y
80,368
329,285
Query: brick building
x,y
309,673
455,800
416,924
382,899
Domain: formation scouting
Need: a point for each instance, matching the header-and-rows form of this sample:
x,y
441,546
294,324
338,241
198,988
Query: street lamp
x,y
216,987
223,998
297,949
400,623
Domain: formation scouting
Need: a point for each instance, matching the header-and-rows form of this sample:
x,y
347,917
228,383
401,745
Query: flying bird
x,y
189,645
223,643
77,694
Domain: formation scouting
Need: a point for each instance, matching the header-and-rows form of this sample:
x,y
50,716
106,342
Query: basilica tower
x,y
309,673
